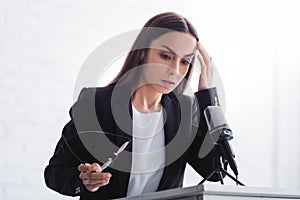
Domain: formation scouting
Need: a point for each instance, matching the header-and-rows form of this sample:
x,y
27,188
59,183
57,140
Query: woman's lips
x,y
168,83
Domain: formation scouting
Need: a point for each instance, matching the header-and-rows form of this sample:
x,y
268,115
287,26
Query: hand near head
x,y
92,177
207,67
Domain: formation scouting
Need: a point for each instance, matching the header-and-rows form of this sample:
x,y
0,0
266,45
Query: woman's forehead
x,y
181,43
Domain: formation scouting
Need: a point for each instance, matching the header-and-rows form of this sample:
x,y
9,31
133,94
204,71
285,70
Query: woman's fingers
x,y
202,64
94,180
84,167
90,181
95,175
89,167
95,187
205,79
92,177
203,53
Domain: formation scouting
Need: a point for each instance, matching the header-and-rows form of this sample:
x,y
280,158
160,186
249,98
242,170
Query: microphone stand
x,y
218,169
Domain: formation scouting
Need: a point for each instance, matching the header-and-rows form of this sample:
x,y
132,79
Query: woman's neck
x,y
145,99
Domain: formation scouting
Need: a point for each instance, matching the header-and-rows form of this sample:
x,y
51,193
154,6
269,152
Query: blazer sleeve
x,y
203,166
61,174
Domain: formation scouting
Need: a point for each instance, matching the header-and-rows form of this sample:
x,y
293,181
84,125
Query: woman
x,y
144,104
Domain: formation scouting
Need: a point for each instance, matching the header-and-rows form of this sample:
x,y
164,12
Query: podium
x,y
220,192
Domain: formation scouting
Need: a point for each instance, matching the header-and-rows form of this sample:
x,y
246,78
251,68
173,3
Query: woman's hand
x,y
206,75
92,177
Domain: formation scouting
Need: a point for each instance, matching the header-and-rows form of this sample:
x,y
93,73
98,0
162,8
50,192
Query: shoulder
x,y
95,92
89,97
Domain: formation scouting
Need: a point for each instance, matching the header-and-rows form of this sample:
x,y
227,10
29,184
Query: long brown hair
x,y
154,28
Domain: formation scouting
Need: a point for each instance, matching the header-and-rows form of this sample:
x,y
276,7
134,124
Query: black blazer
x,y
101,109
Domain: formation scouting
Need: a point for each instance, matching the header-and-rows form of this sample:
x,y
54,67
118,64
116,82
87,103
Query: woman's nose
x,y
171,71
174,68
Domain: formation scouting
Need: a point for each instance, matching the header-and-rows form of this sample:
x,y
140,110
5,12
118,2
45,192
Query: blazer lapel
x,y
171,115
122,113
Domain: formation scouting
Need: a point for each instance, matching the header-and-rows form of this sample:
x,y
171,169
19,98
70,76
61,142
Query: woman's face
x,y
167,60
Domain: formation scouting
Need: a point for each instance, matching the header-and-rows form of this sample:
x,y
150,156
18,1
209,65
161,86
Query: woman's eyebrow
x,y
173,52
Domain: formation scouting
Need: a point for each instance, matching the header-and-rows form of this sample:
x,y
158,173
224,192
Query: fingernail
x,y
99,169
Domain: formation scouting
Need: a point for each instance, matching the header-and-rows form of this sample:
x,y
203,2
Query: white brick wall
x,y
42,46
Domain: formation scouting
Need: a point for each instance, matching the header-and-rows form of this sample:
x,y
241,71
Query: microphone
x,y
220,133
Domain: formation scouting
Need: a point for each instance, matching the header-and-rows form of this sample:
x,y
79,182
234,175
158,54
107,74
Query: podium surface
x,y
220,192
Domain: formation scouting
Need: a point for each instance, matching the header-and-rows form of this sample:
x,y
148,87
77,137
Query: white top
x,y
148,152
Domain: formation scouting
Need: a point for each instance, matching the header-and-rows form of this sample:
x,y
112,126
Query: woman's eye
x,y
185,62
165,56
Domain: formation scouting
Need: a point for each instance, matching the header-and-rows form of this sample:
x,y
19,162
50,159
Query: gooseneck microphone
x,y
220,133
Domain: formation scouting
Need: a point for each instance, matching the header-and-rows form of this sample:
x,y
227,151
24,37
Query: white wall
x,y
255,45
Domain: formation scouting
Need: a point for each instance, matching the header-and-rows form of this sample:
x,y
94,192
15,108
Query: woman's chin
x,y
163,89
